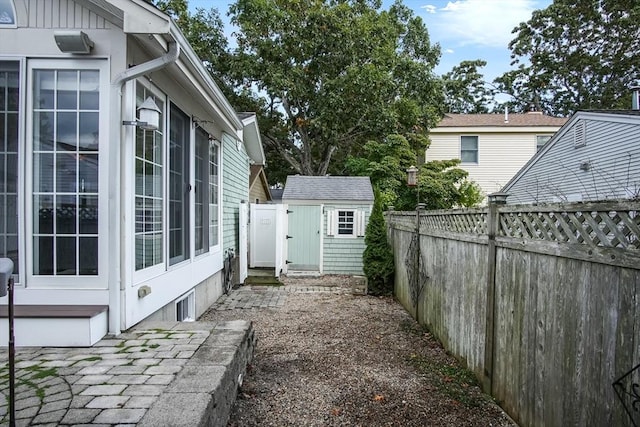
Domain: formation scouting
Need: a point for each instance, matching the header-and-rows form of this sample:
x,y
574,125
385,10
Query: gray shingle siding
x,y
343,255
355,188
612,153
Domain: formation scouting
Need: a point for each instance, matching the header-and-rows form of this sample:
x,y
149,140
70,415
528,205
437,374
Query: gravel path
x,y
336,359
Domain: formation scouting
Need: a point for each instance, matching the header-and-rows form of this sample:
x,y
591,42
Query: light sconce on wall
x,y
149,116
73,42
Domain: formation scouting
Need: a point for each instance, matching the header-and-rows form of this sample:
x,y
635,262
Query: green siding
x,y
343,255
235,188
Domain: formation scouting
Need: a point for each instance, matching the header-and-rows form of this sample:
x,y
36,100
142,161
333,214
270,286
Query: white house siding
x,y
235,181
343,255
613,151
59,14
500,155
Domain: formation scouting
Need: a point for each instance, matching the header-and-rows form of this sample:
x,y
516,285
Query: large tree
x,y
334,74
466,90
575,54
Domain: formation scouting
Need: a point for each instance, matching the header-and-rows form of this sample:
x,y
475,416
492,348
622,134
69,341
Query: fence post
x,y
493,221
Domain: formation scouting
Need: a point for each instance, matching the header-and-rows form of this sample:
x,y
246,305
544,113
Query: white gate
x,y
243,251
267,237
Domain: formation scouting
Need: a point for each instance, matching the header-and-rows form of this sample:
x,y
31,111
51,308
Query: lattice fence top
x,y
601,224
459,222
592,227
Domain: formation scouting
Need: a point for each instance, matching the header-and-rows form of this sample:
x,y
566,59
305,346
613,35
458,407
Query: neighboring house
x,y
258,186
114,143
594,156
327,217
492,147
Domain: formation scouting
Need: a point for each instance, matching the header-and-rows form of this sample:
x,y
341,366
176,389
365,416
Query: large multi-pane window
x,y
179,187
9,105
149,170
201,192
65,171
214,185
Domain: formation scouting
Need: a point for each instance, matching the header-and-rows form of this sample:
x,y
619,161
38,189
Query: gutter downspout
x,y
115,280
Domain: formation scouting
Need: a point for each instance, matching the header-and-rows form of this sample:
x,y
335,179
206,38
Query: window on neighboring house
x,y
541,140
346,222
469,149
66,116
9,114
149,176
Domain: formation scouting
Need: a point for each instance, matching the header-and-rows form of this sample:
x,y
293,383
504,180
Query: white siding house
x,y
100,210
492,147
327,217
594,156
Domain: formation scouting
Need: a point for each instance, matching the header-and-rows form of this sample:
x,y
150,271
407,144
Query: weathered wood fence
x,y
541,302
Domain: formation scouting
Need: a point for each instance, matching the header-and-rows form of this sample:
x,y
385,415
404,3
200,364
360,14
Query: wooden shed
x,y
327,217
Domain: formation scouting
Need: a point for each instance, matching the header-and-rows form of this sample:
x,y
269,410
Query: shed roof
x,y
498,120
355,188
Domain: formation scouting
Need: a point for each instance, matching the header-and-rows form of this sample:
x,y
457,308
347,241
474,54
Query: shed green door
x,y
304,238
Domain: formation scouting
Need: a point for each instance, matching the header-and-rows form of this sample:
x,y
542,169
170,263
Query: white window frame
x,y
218,146
333,220
477,150
160,268
100,281
19,276
12,8
188,299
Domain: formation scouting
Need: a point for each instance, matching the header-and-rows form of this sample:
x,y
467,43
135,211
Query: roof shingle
x,y
355,188
498,120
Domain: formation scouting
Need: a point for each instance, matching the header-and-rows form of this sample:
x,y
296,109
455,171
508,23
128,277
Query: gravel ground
x,y
336,359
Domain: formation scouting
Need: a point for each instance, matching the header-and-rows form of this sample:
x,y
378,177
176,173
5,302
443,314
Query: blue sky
x,y
465,29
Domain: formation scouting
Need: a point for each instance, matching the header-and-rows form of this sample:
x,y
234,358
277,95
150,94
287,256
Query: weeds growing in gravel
x,y
454,381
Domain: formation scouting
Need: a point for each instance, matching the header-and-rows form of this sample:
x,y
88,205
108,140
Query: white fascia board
x,y
252,139
142,18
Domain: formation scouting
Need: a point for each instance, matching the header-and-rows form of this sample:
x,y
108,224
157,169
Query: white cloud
x,y
429,8
480,22
448,51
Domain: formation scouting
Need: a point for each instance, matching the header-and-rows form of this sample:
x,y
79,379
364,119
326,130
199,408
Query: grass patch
x,y
262,281
454,381
44,373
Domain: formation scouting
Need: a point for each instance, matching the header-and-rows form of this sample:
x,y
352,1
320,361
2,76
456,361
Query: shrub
x,y
378,257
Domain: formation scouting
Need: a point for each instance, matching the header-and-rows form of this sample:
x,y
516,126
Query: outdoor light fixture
x,y
149,116
412,176
499,198
73,41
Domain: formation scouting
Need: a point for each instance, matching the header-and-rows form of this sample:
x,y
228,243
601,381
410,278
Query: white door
x,y
262,245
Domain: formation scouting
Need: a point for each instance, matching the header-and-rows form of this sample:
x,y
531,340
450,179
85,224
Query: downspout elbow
x,y
172,55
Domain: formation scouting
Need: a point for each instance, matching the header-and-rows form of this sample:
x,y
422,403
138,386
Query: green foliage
x,y
575,55
466,90
378,257
333,75
442,185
